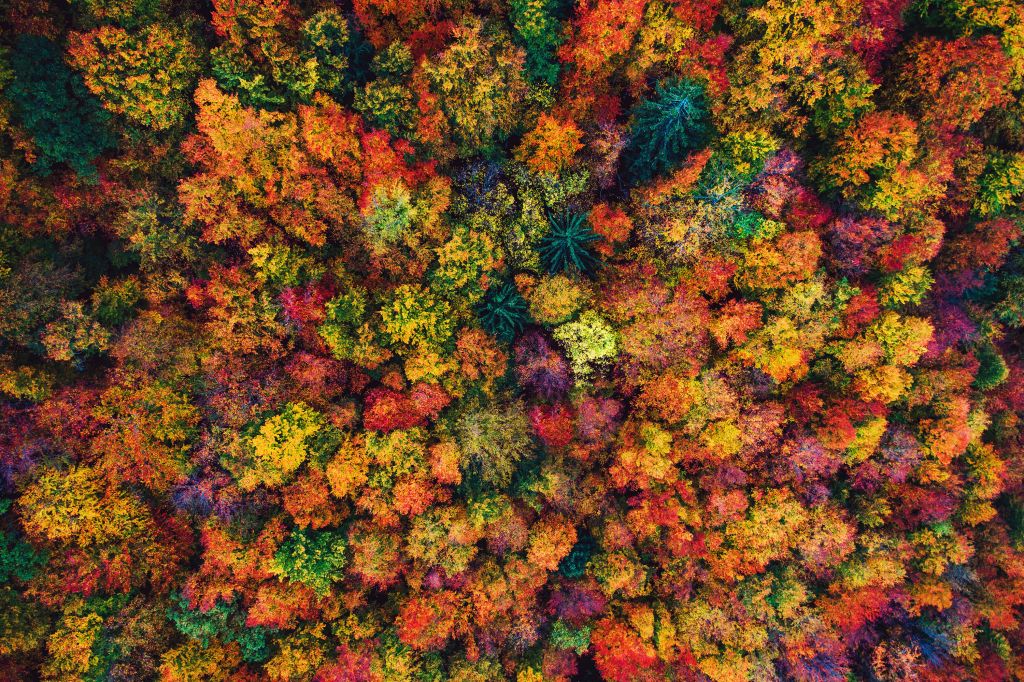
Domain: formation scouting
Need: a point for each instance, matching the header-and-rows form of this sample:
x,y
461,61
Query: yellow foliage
x,y
77,508
885,384
869,435
70,648
281,446
551,540
349,468
556,299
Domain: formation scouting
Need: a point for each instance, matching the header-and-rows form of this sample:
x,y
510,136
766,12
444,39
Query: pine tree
x,y
665,129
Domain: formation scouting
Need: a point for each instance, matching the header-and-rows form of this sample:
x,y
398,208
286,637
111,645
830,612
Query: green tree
x,y
52,103
386,101
478,82
503,312
540,32
224,622
315,558
668,127
566,246
326,36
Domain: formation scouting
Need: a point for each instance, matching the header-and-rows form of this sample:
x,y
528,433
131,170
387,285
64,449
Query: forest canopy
x,y
527,340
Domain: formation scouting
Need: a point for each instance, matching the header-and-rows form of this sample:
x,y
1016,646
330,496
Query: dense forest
x,y
529,340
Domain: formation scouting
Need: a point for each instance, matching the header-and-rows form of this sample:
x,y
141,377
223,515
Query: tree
x,y
308,159
480,89
952,84
492,441
566,245
503,312
387,101
65,121
541,369
146,76
282,444
589,342
551,146
413,316
75,336
77,509
538,27
258,57
878,163
666,128
326,34
316,558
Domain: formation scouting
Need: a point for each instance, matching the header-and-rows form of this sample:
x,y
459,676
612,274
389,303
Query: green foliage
x,y
23,625
419,341
992,369
314,558
1000,185
589,341
574,566
113,302
235,73
747,225
462,264
147,76
503,312
76,336
67,124
18,559
386,101
1011,308
566,245
224,622
666,128
128,13
326,35
34,279
737,158
391,215
1013,512
564,636
905,287
540,32
480,88
344,314
493,440
387,105
284,265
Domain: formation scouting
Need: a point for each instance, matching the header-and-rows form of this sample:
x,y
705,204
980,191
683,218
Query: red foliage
x,y
553,424
387,409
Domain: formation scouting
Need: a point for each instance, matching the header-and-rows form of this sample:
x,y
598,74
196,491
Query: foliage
x,y
589,341
666,128
283,443
551,146
480,88
492,441
566,245
66,123
431,340
146,77
225,623
503,312
316,558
